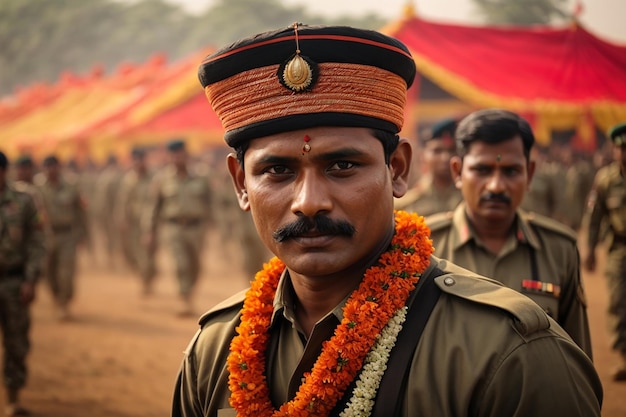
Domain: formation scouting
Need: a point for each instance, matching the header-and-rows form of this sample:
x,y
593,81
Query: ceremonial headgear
x,y
306,76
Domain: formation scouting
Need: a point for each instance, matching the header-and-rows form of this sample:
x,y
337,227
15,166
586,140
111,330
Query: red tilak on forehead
x,y
306,147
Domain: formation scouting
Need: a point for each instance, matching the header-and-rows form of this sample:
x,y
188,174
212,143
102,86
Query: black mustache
x,y
499,197
320,224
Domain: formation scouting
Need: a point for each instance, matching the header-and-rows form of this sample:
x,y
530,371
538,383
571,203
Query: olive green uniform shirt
x,y
607,213
64,208
133,195
178,199
540,259
425,199
21,234
607,202
485,351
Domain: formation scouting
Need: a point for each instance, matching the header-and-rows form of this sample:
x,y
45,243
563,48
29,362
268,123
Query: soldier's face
x,y
619,154
24,173
437,154
493,179
52,171
343,180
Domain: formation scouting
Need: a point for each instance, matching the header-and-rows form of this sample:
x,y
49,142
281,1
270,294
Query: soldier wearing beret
x,y
607,209
490,235
435,192
354,316
180,206
21,256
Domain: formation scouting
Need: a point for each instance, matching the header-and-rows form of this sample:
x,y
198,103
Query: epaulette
x,y
459,282
233,302
439,220
547,223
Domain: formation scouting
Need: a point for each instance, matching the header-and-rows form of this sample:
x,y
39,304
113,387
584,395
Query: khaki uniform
x,y
424,199
104,201
540,259
457,369
607,205
182,205
21,255
134,193
579,183
67,225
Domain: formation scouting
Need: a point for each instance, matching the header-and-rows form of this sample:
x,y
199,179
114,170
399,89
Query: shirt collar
x,y
462,231
284,302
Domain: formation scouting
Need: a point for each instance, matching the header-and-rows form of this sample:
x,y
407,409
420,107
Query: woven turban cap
x,y
305,76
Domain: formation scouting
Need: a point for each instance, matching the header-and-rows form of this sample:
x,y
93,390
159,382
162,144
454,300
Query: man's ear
x,y
238,176
400,166
456,166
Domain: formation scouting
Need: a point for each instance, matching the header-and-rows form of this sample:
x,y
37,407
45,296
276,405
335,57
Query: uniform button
x,y
449,282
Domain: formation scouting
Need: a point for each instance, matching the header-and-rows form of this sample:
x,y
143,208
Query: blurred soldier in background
x,y
607,204
489,235
133,193
24,181
435,191
546,193
106,188
253,252
180,202
24,173
21,255
579,181
67,226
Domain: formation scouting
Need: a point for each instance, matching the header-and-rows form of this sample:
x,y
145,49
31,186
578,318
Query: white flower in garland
x,y
362,400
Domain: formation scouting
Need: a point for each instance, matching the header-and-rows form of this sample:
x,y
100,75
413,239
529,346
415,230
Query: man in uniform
x,y
21,255
435,192
354,316
106,189
489,234
607,209
579,178
24,172
67,226
546,192
133,193
180,202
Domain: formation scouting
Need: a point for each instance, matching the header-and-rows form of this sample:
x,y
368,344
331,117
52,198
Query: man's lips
x,y
314,239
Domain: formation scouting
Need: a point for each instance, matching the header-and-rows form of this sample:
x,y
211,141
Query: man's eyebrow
x,y
327,156
339,154
275,160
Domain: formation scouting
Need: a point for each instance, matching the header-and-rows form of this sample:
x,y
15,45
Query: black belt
x,y
185,221
12,271
619,239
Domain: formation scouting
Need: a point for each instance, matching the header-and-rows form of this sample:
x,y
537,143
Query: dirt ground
x,y
120,354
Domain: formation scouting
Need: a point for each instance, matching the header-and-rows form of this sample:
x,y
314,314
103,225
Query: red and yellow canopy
x,y
564,78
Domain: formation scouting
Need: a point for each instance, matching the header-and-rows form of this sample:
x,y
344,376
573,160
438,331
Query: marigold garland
x,y
384,289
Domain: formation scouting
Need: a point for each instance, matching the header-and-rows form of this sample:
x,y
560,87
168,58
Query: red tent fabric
x,y
566,76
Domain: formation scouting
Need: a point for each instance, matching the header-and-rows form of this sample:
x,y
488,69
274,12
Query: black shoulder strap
x,y
422,302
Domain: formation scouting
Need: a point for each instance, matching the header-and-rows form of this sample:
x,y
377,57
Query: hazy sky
x,y
605,18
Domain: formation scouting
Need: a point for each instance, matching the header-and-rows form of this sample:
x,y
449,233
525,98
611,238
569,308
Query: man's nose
x,y
311,195
496,183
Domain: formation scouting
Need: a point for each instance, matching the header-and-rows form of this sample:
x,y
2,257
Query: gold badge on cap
x,y
298,73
